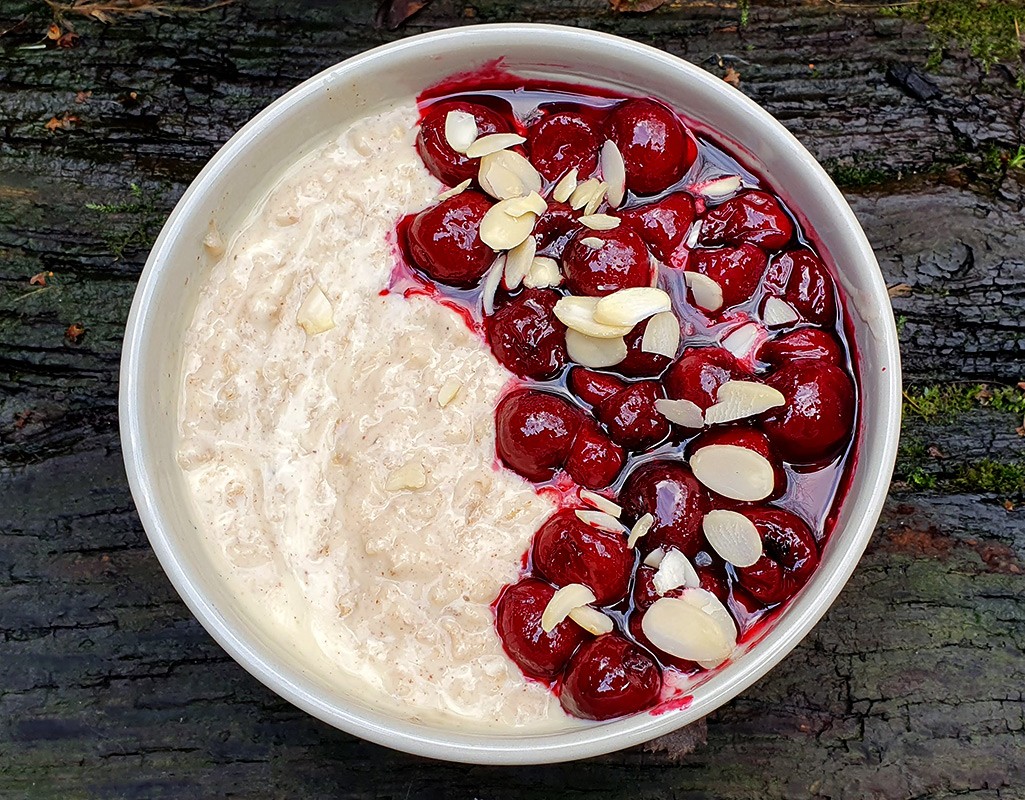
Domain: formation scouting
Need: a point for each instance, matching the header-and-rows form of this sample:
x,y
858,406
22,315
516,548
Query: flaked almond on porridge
x,y
521,404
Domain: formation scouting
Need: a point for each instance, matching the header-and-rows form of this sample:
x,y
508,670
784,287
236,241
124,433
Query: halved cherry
x,y
567,550
637,363
669,492
555,228
804,343
593,387
438,156
749,438
610,677
802,280
620,260
700,372
594,459
789,556
526,337
631,417
564,141
657,149
444,240
738,270
662,225
534,432
518,620
816,421
752,217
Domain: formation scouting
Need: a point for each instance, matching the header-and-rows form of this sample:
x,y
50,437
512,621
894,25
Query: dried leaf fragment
x,y
75,332
635,6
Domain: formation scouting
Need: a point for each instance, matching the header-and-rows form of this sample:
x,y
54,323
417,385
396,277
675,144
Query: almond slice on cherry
x,y
506,174
719,188
654,558
518,261
315,315
593,242
640,530
613,170
630,306
595,353
693,235
505,226
706,292
733,536
734,472
591,620
599,222
741,399
491,283
584,192
578,313
776,313
531,203
569,597
459,188
599,519
713,607
662,335
596,198
460,130
492,143
543,273
681,412
742,340
674,571
601,502
565,187
682,629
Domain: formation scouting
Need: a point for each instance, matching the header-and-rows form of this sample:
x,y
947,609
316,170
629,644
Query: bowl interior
x,y
238,175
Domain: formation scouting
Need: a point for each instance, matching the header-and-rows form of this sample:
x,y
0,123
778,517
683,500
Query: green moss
x,y
945,401
853,176
745,12
133,223
992,477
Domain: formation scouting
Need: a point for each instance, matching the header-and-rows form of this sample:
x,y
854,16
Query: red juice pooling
x,y
724,436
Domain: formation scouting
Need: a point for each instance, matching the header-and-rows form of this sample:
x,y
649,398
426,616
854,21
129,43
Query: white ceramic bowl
x,y
234,179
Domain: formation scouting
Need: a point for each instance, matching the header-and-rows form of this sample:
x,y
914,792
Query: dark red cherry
x,y
662,225
564,141
749,438
444,240
657,150
737,270
610,677
804,343
440,159
752,217
669,492
593,387
594,460
800,278
567,551
534,432
700,372
526,337
621,261
555,228
789,556
518,620
816,421
637,363
631,417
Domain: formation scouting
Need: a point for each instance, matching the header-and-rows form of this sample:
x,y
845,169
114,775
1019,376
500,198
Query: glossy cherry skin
x,y
789,556
444,240
669,492
594,460
662,225
816,421
748,437
440,159
610,677
752,217
800,278
526,337
738,270
631,417
518,620
803,343
700,372
564,141
657,150
534,432
555,228
593,387
567,551
713,579
637,363
622,261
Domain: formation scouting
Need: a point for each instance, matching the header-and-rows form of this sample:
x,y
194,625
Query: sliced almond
x,y
601,502
639,530
459,188
734,472
491,284
500,230
719,188
599,222
682,629
613,170
733,536
596,199
776,313
674,571
681,412
742,341
543,273
578,313
507,174
565,187
591,620
583,193
741,399
706,292
448,391
531,203
492,143
713,607
593,242
408,476
315,314
589,351
460,130
693,235
654,558
632,305
662,335
564,600
599,519
518,261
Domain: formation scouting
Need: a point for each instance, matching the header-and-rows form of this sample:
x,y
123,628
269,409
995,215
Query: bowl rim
x,y
384,729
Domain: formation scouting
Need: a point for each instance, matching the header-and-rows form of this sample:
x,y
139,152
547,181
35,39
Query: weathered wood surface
x,y
911,687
